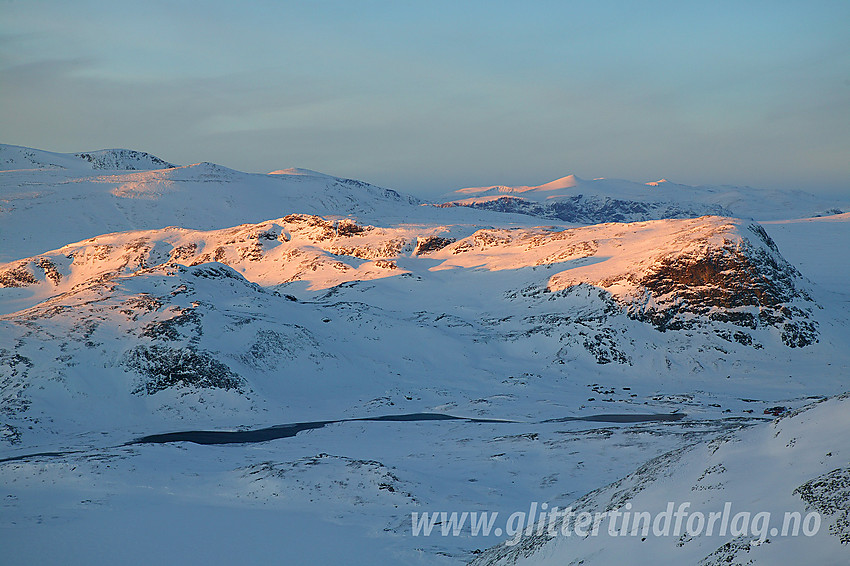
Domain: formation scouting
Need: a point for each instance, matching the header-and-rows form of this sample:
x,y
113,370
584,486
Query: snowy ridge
x,y
17,157
572,199
77,204
296,247
124,159
674,274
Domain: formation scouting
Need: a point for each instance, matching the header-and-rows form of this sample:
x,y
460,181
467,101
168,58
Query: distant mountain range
x,y
75,196
16,157
571,199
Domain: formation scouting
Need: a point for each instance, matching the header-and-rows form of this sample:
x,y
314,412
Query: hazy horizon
x,y
431,98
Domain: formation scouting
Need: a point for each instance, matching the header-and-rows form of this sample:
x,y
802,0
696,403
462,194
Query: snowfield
x,y
790,466
639,358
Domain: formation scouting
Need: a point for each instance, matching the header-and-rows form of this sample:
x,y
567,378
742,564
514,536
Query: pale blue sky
x,y
431,96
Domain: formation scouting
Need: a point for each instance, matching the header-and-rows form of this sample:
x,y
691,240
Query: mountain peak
x,y
13,157
123,159
567,182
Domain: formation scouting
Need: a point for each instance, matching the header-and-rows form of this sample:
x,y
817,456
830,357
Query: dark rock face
x,y
799,334
13,374
605,348
17,276
326,229
346,227
723,278
163,367
743,284
20,274
124,159
171,328
430,244
829,494
50,271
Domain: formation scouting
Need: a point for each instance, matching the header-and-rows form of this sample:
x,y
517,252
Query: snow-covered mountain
x,y
74,197
351,323
571,199
674,274
14,157
797,464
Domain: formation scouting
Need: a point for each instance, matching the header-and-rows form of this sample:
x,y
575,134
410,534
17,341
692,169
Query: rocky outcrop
x,y
162,367
712,272
428,244
746,283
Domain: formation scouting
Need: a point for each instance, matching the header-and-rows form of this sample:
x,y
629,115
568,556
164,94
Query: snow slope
x,y
671,273
815,246
797,464
123,337
71,207
71,198
200,298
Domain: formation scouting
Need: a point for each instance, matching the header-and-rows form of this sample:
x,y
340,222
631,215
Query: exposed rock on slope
x,y
126,159
724,271
178,315
673,274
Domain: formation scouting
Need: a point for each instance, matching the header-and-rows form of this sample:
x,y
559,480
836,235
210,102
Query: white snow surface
x,y
156,300
70,200
796,464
